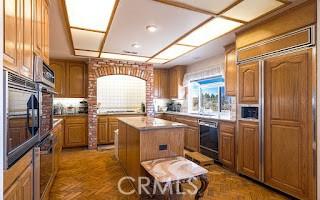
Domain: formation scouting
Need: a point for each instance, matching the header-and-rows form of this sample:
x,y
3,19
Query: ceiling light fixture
x,y
124,57
152,28
91,15
157,61
209,31
86,53
136,45
174,51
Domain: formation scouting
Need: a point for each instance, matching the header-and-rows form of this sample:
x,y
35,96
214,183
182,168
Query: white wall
x,y
204,64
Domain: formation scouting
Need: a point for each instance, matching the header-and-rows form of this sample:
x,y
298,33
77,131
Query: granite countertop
x,y
56,122
150,123
222,117
121,113
74,114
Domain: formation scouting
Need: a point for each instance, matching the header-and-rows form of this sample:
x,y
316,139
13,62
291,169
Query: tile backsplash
x,y
118,92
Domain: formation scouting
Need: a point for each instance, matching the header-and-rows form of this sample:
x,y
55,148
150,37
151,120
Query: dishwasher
x,y
209,139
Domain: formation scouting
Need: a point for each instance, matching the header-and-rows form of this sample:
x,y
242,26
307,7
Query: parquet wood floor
x,y
93,175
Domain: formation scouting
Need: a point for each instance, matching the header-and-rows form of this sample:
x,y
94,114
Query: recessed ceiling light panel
x,y
92,14
249,10
174,51
157,61
87,40
86,53
152,28
209,31
124,57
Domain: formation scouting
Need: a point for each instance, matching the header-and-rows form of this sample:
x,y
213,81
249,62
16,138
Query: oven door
x,y
209,138
21,121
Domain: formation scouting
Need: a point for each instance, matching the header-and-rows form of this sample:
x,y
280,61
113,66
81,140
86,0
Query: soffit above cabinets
x,y
117,29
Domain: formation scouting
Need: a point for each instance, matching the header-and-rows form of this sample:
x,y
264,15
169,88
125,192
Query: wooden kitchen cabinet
x,y
45,31
76,131
59,68
112,127
18,180
102,132
227,144
58,132
161,83
71,78
248,144
230,73
176,89
191,138
288,150
18,52
249,83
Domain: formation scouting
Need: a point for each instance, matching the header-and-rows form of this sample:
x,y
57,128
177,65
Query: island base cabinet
x,y
191,138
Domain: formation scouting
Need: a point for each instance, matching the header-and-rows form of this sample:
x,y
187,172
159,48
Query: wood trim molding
x,y
109,26
63,8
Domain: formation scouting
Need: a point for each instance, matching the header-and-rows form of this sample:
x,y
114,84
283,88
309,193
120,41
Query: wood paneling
x,y
76,132
230,73
293,19
112,127
227,145
248,144
191,138
122,148
249,83
26,183
273,45
59,68
45,31
102,132
37,31
14,192
287,117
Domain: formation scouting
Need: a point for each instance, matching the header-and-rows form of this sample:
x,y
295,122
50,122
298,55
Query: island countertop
x,y
149,123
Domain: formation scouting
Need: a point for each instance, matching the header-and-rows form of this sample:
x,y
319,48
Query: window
x,y
208,96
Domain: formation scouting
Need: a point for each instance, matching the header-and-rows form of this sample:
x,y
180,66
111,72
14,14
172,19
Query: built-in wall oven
x,y
209,139
21,121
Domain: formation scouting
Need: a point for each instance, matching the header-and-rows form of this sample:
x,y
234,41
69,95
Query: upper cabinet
x,y
70,78
230,70
160,85
249,83
26,30
176,89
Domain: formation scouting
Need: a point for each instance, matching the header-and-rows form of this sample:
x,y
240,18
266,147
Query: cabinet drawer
x,y
188,121
76,120
227,127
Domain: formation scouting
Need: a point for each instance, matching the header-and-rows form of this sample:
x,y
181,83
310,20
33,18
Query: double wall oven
x,y
21,121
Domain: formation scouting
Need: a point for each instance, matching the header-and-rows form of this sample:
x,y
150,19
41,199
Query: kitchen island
x,y
147,138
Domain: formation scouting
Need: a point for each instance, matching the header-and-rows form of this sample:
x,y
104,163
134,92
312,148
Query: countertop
x,y
71,115
121,113
222,117
150,123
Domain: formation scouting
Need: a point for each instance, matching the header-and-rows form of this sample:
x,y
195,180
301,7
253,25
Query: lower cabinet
x,y
191,138
112,127
76,131
58,131
102,132
18,180
248,157
227,144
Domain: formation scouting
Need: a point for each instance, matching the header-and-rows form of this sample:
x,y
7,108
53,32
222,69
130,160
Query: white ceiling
x,y
128,27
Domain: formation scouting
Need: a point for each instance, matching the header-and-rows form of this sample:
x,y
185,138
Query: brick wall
x,y
104,67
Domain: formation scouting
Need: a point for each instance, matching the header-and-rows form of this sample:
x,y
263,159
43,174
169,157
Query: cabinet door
x,y
122,146
249,83
112,127
14,192
76,80
288,129
26,68
45,31
249,149
230,72
37,17
156,83
102,133
192,138
26,183
164,89
11,34
75,135
173,83
226,145
59,68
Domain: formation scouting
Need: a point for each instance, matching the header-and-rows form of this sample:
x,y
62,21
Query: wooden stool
x,y
199,158
177,170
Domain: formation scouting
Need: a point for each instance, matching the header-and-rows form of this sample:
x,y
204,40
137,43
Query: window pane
x,y
225,104
194,97
210,99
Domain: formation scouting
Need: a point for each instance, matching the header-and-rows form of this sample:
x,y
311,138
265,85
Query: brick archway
x,y
102,67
